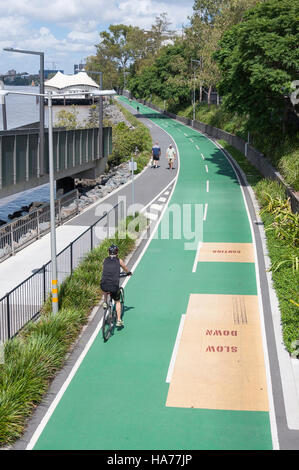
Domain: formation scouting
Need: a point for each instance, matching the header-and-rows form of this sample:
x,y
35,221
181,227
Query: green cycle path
x,y
118,398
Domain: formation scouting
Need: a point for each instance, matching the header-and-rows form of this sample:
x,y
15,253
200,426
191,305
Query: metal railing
x,y
17,234
24,302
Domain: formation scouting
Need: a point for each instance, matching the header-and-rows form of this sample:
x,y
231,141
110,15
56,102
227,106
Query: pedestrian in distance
x,y
156,152
170,155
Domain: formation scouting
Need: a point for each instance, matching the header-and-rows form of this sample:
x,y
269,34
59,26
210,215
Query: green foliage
x,y
259,59
167,77
126,139
67,119
285,276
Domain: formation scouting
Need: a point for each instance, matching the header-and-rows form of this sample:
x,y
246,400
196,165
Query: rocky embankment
x,y
91,191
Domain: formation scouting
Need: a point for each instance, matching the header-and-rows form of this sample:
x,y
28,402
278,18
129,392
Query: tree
x,y
210,20
67,119
259,59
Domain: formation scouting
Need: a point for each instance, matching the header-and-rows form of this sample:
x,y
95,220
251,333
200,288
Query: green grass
x,y
34,356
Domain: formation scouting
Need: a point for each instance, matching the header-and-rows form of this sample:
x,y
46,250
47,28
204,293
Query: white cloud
x,y
67,30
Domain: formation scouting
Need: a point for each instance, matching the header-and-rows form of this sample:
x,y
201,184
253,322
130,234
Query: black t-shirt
x,y
110,276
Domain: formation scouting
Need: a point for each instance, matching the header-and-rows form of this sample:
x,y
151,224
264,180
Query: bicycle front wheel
x,y
122,301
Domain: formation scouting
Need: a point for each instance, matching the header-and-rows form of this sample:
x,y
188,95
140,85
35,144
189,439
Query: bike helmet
x,y
113,249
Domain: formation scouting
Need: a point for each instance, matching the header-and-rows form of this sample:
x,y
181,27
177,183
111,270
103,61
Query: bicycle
x,y
110,316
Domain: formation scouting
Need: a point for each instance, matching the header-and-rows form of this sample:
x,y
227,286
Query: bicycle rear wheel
x,y
107,323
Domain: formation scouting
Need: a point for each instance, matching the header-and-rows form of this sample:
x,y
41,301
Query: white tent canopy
x,y
61,82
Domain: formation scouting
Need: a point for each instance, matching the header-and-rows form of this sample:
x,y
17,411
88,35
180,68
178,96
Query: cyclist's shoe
x,y
119,323
105,305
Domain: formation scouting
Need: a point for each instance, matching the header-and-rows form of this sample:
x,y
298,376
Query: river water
x,y
22,110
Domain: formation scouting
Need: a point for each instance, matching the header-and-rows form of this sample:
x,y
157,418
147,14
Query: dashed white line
x,y
175,350
157,207
166,193
205,213
150,216
202,156
207,169
197,147
196,257
208,186
162,199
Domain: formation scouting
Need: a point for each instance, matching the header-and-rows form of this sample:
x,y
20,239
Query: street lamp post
x,y
41,103
198,61
52,192
100,113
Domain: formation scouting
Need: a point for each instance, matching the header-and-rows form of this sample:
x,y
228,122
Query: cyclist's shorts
x,y
115,294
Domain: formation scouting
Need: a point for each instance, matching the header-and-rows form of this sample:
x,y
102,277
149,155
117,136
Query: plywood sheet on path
x,y
227,252
220,361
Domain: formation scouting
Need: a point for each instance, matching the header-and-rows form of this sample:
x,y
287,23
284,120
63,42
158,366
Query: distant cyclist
x,y
110,279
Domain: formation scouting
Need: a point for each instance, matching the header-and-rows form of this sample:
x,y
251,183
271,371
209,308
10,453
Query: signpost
x,y
133,167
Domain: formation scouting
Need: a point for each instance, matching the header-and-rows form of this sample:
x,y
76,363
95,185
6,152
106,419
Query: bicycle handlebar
x,y
123,274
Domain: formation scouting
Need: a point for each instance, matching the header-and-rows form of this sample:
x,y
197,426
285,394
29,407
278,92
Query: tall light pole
x,y
41,103
100,112
198,62
52,191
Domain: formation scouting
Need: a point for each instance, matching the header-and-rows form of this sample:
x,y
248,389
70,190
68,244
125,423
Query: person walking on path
x,y
156,152
170,155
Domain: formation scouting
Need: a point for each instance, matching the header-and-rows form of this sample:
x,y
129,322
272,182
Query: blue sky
x,y
67,30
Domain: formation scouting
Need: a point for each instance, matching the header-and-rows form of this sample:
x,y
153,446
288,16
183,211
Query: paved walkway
x,y
150,183
196,365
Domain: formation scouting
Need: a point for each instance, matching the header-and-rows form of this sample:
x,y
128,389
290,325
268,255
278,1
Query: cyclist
x,y
110,279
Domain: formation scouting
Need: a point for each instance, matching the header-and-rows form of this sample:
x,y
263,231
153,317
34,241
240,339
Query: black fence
x,y
14,236
24,302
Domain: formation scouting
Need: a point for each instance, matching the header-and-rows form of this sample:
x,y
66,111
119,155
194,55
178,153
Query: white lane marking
x,y
208,186
202,156
166,193
197,147
157,207
196,257
175,349
207,170
162,199
191,141
185,134
150,216
205,213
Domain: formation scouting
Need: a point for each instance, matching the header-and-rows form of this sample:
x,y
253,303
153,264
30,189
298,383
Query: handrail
x,y
14,311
